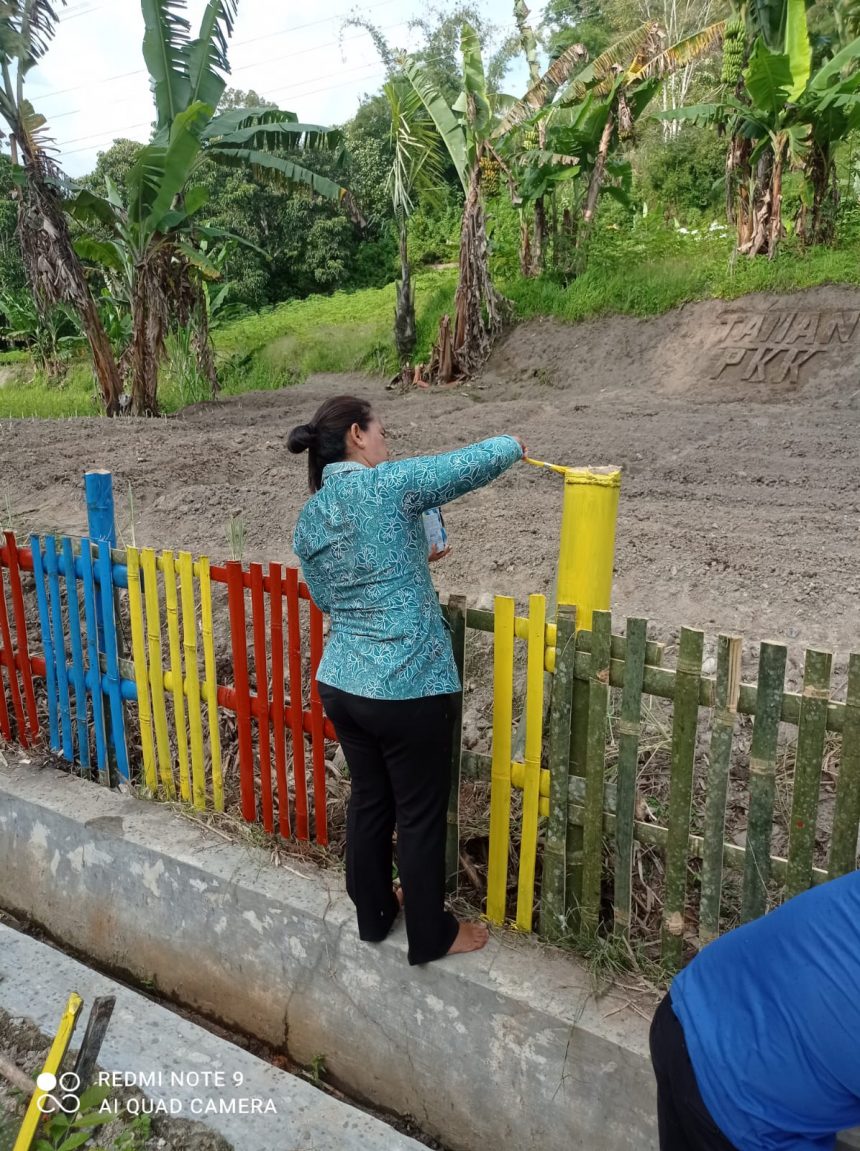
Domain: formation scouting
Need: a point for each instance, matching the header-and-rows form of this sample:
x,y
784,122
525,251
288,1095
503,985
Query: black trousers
x,y
399,758
684,1121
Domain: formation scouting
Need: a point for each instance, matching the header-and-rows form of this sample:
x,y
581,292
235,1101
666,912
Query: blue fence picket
x,y
47,642
52,568
78,669
111,656
94,676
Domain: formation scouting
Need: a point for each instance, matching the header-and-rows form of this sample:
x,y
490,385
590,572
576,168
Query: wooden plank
x,y
598,707
552,905
239,641
261,667
191,685
807,773
52,570
846,816
172,612
533,749
210,688
318,727
771,681
456,613
91,1044
117,712
684,727
628,766
729,650
294,650
156,672
20,616
94,674
7,651
276,613
500,788
138,651
77,647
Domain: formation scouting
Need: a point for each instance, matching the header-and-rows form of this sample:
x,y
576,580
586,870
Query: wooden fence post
x,y
457,619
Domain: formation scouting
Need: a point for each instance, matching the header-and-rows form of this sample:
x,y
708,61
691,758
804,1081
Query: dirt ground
x,y
740,508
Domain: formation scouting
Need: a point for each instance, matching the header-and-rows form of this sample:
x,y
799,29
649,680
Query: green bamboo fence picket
x,y
846,816
628,762
684,728
719,763
457,620
598,706
552,909
769,701
811,732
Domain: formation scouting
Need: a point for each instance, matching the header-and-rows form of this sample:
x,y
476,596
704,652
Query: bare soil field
x,y
740,507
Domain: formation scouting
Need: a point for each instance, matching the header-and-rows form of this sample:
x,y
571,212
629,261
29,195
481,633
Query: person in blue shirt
x,y
387,675
757,1045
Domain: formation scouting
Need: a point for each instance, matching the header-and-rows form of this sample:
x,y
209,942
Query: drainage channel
x,y
23,1036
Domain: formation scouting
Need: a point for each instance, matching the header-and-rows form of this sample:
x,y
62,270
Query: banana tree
x,y
417,170
154,250
466,130
784,117
54,270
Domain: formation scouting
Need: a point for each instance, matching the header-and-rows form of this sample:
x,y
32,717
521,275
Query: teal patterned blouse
x,y
364,558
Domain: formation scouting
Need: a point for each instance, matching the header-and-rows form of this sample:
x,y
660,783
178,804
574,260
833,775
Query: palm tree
x,y
54,270
417,170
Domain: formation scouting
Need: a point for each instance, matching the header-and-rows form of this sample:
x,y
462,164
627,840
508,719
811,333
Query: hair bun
x,y
301,438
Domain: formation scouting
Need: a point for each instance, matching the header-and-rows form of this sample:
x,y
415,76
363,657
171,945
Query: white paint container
x,y
434,530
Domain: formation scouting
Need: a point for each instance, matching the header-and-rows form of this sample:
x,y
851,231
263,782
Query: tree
x,y
784,116
154,231
416,170
54,270
465,128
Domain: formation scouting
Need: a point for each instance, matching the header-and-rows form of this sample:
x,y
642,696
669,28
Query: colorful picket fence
x,y
95,602
127,655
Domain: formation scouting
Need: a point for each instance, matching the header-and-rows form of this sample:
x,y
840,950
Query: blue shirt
x,y
364,558
771,1016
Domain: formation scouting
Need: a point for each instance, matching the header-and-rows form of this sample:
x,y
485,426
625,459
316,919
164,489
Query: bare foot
x,y
470,937
398,895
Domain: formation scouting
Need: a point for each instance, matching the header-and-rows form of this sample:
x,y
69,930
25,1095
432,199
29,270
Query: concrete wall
x,y
508,1047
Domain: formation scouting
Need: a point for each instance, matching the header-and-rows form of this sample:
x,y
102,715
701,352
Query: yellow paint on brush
x,y
210,687
59,1047
156,671
534,735
192,680
588,518
138,649
500,790
176,672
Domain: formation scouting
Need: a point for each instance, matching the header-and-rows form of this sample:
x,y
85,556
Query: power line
x,y
235,43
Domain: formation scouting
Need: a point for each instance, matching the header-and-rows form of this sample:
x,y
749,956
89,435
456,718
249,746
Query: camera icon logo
x,y
59,1094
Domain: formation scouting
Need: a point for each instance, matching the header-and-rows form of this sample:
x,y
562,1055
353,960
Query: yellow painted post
x,y
192,679
211,683
138,651
588,517
156,671
534,733
176,672
500,788
59,1047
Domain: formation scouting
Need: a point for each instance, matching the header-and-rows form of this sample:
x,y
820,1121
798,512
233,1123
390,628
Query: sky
x,y
92,86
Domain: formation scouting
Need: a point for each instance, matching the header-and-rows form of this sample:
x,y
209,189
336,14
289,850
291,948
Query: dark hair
x,y
324,438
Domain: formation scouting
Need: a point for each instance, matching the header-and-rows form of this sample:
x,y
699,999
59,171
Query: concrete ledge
x,y
507,1047
258,1107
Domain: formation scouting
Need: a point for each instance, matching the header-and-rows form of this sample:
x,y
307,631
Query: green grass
x,y
643,269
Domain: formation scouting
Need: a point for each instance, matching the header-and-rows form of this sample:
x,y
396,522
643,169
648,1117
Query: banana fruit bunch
x,y
734,48
490,175
531,139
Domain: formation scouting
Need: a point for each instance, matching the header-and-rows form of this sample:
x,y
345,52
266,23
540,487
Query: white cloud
x,y
92,85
